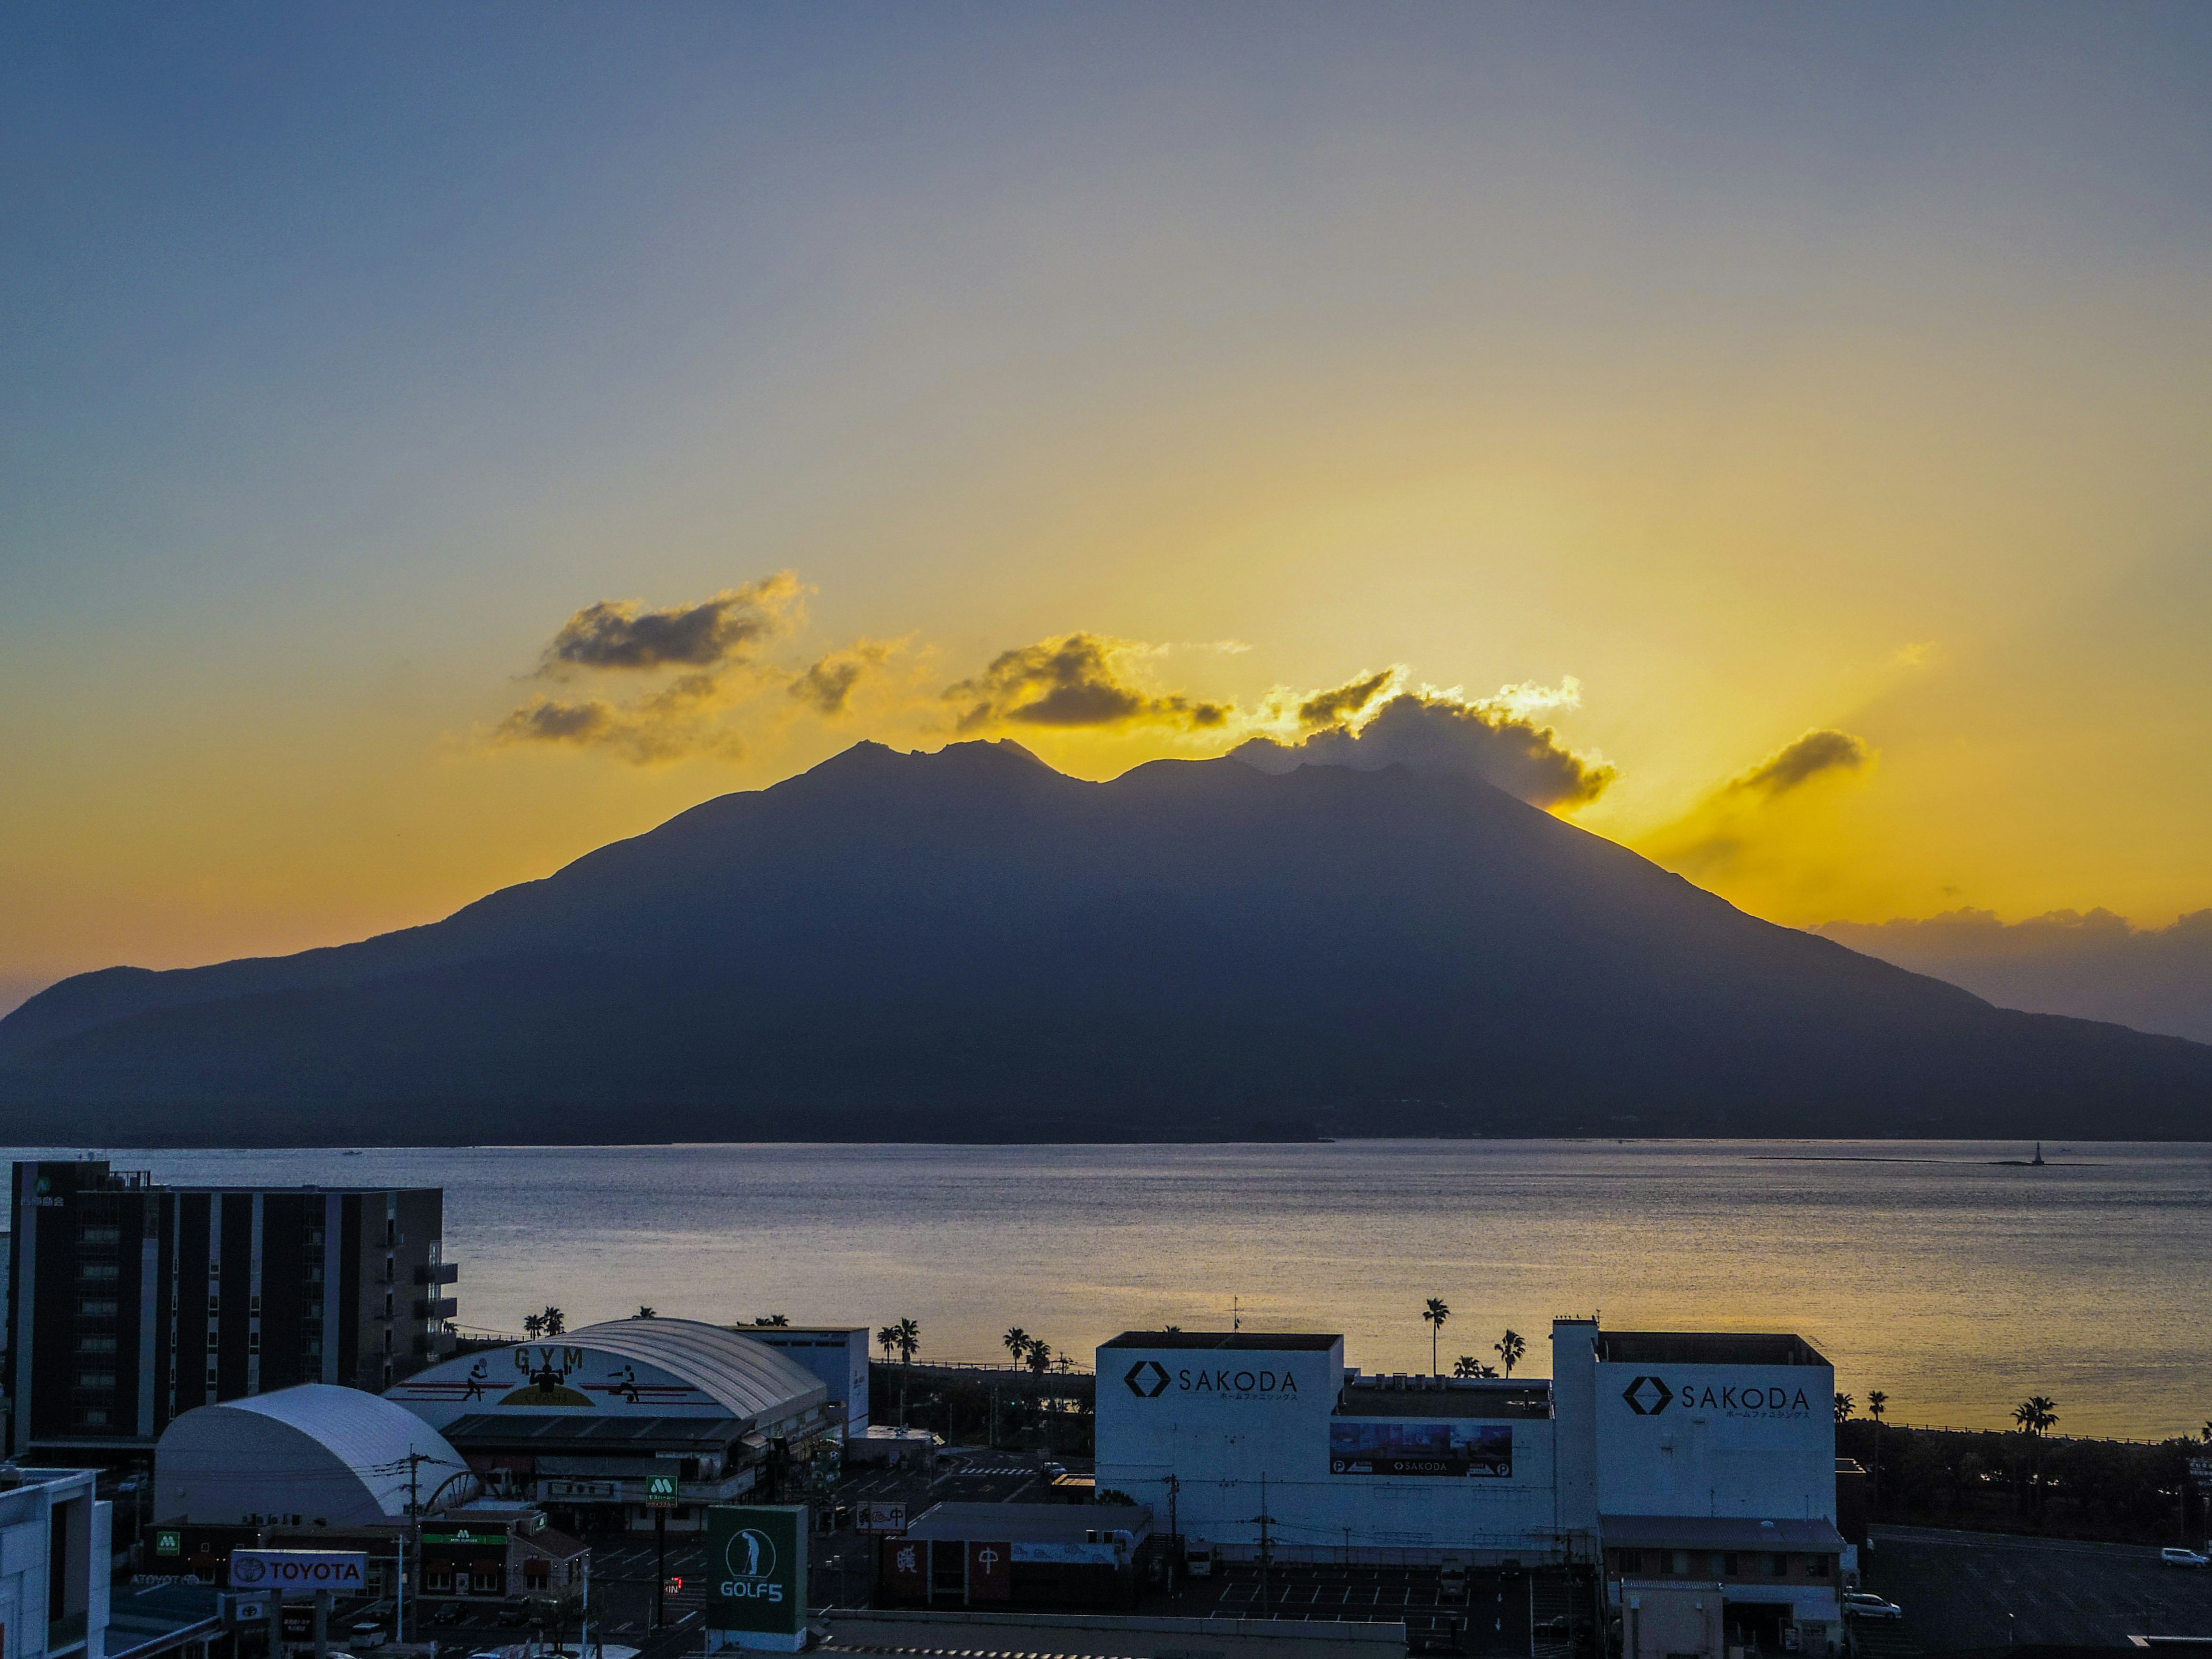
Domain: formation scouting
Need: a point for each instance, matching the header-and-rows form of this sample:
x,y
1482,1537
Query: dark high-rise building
x,y
129,1302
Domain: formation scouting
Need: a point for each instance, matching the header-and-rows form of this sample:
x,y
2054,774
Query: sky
x,y
435,442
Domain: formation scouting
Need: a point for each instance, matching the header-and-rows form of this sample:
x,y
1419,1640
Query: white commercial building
x,y
1677,1458
54,1559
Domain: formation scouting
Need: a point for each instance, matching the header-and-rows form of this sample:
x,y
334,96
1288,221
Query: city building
x,y
633,1423
1667,1457
311,1455
1015,1555
838,1354
132,1302
55,1550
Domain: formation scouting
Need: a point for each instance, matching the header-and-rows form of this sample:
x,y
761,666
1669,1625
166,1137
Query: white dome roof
x,y
324,1453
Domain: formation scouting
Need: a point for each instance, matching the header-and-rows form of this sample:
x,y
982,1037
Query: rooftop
x,y
1706,1348
1241,1341
1722,1532
1030,1523
1443,1396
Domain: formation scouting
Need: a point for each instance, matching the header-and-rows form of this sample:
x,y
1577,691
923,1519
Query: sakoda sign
x,y
1651,1396
1148,1380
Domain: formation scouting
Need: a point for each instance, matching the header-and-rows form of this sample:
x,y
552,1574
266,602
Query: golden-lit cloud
x,y
827,684
1369,723
1769,812
1077,680
621,633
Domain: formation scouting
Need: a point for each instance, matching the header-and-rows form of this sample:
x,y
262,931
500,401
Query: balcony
x,y
435,1307
445,1273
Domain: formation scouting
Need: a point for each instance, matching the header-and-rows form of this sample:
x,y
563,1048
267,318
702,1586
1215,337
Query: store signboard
x,y
1450,1451
299,1572
880,1518
756,1575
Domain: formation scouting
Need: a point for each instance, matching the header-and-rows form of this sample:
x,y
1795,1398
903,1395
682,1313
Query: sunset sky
x,y
1680,382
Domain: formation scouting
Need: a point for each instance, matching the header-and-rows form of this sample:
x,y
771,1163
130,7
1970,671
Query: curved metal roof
x,y
751,1379
369,1436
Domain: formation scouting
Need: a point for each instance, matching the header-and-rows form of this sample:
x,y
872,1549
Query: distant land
x,y
968,945
2095,965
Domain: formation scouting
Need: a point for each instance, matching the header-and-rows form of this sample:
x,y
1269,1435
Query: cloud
x,y
1347,701
2094,965
827,685
1800,761
1076,680
1439,732
676,721
619,634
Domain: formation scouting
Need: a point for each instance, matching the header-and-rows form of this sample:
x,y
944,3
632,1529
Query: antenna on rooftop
x,y
1235,1316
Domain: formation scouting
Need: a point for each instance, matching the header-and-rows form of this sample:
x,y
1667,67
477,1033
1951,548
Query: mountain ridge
x,y
969,945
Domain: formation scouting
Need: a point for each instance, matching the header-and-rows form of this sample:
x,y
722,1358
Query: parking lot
x,y
1989,1590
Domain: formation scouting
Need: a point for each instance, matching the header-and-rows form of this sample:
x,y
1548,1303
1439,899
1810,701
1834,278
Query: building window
x,y
100,1380
95,1345
98,1236
1777,1566
1680,1564
1730,1567
99,1273
1818,1565
1630,1560
90,1309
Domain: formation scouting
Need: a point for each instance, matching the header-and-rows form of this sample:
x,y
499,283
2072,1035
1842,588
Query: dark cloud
x,y
1077,680
620,634
1798,762
1437,732
674,722
2094,965
827,685
1345,703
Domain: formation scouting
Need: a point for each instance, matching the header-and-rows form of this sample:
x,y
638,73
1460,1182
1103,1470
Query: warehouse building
x,y
1664,1456
626,1423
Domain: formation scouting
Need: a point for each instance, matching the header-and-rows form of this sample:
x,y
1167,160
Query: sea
x,y
1949,1275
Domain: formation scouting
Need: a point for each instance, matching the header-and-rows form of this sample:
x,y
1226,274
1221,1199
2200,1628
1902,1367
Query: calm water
x,y
1956,1286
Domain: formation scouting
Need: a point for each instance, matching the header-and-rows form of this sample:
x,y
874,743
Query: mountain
x,y
970,946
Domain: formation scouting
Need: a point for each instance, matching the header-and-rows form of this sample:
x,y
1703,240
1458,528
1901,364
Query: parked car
x,y
449,1612
1865,1604
369,1633
2180,1558
512,1613
1053,1471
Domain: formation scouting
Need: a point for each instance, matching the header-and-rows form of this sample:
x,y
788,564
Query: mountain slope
x,y
969,945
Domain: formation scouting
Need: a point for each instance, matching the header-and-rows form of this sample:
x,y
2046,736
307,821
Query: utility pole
x,y
1266,1550
661,1565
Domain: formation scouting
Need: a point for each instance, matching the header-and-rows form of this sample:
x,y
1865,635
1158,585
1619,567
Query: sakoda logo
x,y
750,1561
1148,1380
1647,1396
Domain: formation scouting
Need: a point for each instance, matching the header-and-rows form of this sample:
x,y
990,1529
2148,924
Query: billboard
x,y
297,1572
1361,1445
756,1575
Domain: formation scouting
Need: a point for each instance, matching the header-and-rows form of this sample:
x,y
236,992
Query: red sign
x,y
990,1572
906,1568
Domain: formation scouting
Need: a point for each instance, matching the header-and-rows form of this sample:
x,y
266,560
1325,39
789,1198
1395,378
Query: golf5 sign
x,y
756,1575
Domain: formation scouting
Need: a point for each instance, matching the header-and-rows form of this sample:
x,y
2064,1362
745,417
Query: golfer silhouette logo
x,y
751,1556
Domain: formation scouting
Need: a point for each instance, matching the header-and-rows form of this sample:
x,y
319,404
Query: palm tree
x,y
906,1337
645,1310
887,1339
1469,1365
1435,1313
1511,1348
1845,1406
775,1322
2037,1416
1040,1358
1018,1342
2205,1434
534,1326
551,1322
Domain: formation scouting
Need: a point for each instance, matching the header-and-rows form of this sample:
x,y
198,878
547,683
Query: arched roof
x,y
321,1451
750,1378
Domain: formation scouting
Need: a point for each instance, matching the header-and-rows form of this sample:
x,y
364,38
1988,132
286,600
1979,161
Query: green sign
x,y
756,1575
660,1489
168,1543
